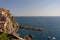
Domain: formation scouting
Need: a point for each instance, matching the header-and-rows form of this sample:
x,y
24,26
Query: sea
x,y
50,24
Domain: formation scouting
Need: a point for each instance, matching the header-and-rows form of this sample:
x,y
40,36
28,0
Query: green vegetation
x,y
3,36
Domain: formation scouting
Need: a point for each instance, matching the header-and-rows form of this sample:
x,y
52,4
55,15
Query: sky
x,y
32,7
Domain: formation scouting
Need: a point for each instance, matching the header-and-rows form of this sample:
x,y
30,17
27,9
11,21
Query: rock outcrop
x,y
8,24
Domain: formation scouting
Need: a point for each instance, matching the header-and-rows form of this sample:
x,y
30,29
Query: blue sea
x,y
50,24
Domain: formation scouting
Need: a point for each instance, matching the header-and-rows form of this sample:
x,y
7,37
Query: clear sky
x,y
32,7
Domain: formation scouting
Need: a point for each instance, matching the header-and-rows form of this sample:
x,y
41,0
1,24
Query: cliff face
x,y
8,24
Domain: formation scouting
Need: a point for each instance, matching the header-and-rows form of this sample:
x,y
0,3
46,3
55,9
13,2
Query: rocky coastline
x,y
9,27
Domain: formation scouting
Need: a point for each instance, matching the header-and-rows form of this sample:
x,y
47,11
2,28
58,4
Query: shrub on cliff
x,y
3,36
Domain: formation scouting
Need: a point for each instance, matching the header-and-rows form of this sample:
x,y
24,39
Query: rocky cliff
x,y
8,25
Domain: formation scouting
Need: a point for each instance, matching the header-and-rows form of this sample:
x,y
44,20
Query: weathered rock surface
x,y
8,24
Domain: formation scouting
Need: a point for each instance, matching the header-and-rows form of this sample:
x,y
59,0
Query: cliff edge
x,y
8,25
